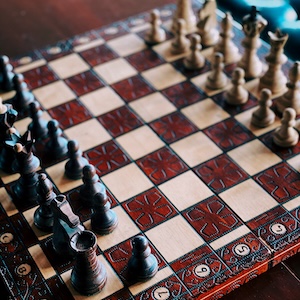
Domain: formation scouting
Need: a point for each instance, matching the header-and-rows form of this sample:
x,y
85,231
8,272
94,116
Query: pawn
x,y
103,220
263,116
57,145
195,60
292,96
75,164
181,43
43,216
156,34
6,74
142,265
237,94
286,135
217,78
91,185
23,96
38,126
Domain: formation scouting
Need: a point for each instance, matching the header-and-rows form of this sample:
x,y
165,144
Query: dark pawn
x,y
91,185
65,225
88,276
25,189
142,265
75,164
23,96
43,216
103,220
38,126
56,147
6,74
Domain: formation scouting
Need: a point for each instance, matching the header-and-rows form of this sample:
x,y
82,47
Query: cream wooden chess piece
x,y
156,34
225,44
237,94
184,11
274,79
207,24
292,97
286,135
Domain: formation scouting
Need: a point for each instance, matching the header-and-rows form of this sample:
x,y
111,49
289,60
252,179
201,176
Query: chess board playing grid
x,y
217,200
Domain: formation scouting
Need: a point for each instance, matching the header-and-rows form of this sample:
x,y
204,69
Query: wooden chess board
x,y
217,200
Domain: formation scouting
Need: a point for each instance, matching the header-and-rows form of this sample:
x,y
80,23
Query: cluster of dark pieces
x,y
205,33
54,213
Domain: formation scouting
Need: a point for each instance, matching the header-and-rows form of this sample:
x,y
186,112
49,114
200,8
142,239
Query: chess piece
x,y
156,34
184,11
23,96
142,264
207,24
292,97
104,220
237,94
6,74
88,275
195,60
7,154
7,118
217,78
43,216
225,44
263,116
65,225
181,43
91,185
286,135
274,79
253,25
38,126
57,144
27,164
75,164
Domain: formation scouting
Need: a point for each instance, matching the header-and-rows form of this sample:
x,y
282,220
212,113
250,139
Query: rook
x,y
88,275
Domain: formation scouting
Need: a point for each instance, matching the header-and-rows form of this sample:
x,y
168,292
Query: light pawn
x,y
180,44
286,135
263,116
237,94
217,78
156,34
195,60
